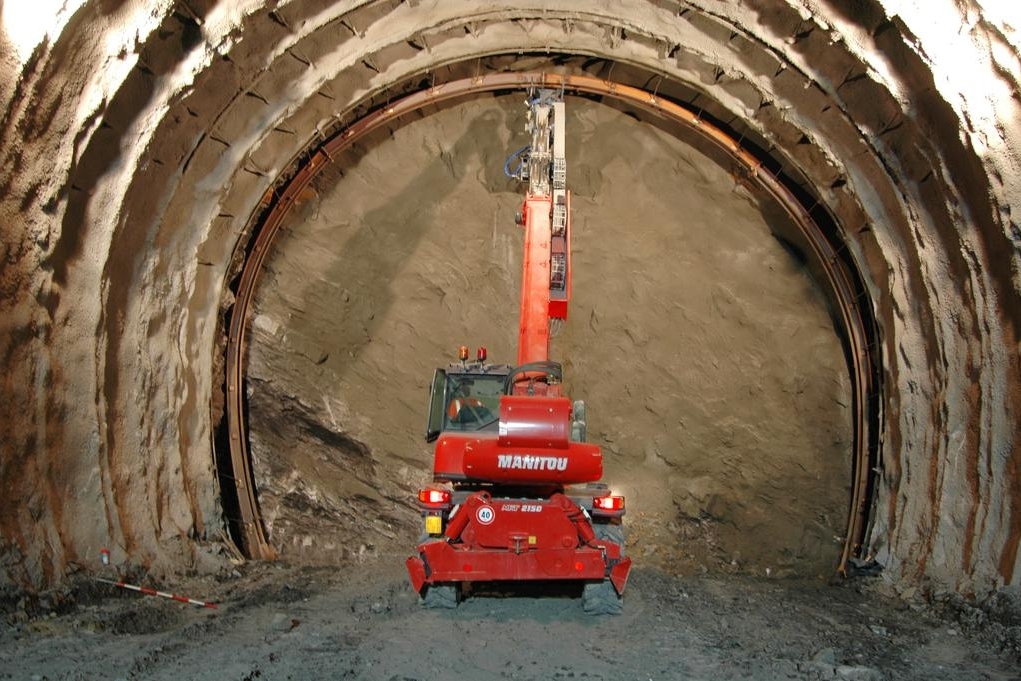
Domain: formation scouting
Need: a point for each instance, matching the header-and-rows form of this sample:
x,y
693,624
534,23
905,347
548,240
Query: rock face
x,y
139,141
713,377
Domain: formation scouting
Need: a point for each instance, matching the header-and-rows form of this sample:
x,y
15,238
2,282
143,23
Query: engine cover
x,y
531,422
481,458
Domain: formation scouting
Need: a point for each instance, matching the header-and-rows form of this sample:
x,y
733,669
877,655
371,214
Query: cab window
x,y
473,401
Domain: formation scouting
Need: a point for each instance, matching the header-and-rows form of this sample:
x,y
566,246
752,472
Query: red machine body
x,y
531,446
515,539
516,493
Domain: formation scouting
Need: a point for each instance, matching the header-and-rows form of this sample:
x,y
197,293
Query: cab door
x,y
437,405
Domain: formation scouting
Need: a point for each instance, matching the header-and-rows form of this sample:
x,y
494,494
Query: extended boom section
x,y
516,491
545,216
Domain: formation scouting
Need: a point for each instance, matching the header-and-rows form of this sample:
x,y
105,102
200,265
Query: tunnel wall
x,y
138,142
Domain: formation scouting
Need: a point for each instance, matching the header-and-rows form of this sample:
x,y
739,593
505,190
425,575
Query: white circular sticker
x,y
485,514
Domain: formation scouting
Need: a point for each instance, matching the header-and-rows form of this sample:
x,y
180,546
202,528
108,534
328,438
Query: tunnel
x,y
239,236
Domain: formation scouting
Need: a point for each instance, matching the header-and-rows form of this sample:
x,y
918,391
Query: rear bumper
x,y
440,561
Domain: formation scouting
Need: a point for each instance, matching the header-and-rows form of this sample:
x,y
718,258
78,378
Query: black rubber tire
x,y
440,596
577,431
600,598
578,410
446,595
578,421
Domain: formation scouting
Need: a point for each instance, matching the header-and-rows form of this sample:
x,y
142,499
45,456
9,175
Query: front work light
x,y
609,503
434,497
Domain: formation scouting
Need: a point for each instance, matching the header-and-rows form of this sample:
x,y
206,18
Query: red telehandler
x,y
516,492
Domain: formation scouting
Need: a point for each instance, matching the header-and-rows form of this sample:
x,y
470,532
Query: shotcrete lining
x,y
873,196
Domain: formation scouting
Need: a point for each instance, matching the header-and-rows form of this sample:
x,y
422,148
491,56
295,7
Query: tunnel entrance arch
x,y
816,237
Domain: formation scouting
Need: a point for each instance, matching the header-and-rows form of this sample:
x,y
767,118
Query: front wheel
x,y
600,598
441,595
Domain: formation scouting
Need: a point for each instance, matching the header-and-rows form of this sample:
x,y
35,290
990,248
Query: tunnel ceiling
x,y
140,141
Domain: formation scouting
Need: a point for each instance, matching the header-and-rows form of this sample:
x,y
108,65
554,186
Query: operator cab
x,y
465,397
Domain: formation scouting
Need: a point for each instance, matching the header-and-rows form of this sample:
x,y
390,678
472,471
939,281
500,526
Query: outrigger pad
x,y
416,570
619,574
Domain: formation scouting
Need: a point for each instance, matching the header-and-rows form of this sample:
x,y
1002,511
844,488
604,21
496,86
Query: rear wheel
x,y
600,598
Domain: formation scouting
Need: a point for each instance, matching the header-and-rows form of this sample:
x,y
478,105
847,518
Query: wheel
x,y
440,595
600,598
577,431
445,595
578,421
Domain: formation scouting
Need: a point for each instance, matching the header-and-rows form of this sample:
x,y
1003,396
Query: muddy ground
x,y
362,621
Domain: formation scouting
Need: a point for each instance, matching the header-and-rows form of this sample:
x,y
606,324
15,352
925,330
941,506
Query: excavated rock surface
x,y
712,374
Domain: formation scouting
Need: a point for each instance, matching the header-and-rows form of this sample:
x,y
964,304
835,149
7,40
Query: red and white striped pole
x,y
153,592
